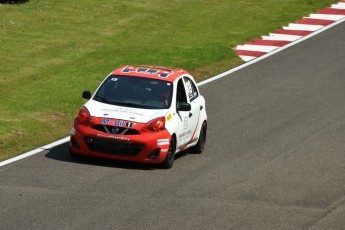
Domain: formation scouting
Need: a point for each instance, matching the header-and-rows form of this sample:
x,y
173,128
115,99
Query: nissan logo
x,y
115,130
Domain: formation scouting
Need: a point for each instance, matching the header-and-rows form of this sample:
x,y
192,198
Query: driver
x,y
163,94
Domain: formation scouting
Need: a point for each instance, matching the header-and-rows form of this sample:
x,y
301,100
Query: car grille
x,y
116,130
115,147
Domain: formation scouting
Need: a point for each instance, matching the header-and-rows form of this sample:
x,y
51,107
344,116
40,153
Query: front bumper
x,y
149,147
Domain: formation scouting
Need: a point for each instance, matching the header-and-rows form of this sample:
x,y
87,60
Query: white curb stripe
x,y
260,48
281,37
340,5
332,17
303,27
247,58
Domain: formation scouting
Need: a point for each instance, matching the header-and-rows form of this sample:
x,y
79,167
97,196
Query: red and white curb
x,y
294,31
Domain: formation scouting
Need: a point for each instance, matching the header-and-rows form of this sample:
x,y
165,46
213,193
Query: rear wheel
x,y
169,159
199,147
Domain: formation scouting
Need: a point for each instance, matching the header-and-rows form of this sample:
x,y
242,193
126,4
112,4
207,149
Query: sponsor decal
x,y
169,116
164,150
162,141
185,122
120,123
124,110
113,137
105,121
147,70
182,135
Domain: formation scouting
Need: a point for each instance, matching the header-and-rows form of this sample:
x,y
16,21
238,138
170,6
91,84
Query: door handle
x,y
201,107
190,114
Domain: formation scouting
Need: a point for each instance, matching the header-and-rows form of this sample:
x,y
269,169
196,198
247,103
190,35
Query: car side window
x,y
180,93
191,89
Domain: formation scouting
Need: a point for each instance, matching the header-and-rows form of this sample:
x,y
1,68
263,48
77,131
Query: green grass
x,y
52,50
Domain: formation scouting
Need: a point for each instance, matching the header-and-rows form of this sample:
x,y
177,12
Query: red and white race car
x,y
143,114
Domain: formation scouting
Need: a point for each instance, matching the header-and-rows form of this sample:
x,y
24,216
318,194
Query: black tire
x,y
169,159
199,147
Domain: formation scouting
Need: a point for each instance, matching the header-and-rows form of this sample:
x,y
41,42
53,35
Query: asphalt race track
x,y
274,159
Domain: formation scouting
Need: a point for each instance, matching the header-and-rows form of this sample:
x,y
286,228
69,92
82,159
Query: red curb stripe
x,y
293,32
310,21
249,53
258,41
331,11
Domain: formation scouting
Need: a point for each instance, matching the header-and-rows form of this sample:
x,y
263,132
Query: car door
x,y
186,92
194,113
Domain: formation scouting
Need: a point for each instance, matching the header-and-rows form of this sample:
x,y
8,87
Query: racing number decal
x,y
189,89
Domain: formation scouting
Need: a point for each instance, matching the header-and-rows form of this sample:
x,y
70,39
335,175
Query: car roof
x,y
150,71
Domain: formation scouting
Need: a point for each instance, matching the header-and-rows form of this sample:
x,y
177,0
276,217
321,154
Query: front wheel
x,y
169,159
199,147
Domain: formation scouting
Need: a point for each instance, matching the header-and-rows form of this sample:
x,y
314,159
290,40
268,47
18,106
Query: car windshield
x,y
137,92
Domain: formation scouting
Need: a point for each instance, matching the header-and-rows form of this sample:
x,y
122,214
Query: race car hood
x,y
98,109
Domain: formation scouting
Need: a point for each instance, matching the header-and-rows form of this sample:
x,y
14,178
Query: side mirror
x,y
86,94
183,106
